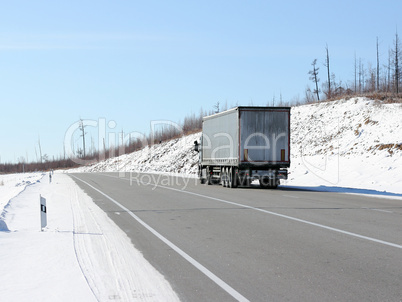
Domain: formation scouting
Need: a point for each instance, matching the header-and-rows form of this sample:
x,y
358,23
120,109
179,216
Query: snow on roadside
x,y
12,184
354,143
80,256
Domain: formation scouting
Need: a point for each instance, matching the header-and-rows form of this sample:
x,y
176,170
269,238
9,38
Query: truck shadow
x,y
337,190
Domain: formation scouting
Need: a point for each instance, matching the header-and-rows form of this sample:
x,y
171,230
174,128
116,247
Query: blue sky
x,y
133,62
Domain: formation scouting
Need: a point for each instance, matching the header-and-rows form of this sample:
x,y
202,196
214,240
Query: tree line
x,y
384,78
192,123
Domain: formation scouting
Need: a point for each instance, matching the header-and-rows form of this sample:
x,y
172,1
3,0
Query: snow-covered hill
x,y
174,156
355,143
360,127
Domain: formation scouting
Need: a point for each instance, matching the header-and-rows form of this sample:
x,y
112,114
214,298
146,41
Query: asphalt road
x,y
219,244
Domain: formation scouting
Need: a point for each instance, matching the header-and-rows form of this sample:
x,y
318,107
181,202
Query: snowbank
x,y
12,184
355,143
80,256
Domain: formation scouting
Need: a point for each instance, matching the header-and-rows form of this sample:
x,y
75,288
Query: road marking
x,y
290,196
378,210
231,291
385,211
281,215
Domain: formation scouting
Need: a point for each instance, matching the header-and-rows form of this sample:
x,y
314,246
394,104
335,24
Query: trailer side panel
x,y
220,139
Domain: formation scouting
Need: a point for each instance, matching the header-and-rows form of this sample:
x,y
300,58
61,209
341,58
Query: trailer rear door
x,y
265,135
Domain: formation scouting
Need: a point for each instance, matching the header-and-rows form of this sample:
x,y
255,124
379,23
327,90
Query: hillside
x,y
347,143
355,143
174,156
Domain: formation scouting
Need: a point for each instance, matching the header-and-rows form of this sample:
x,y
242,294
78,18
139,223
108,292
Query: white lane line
x,y
231,291
290,196
276,214
379,210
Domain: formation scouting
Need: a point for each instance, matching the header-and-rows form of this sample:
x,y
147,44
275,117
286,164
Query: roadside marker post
x,y
43,218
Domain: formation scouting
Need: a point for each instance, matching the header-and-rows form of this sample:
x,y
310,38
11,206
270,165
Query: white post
x,y
43,218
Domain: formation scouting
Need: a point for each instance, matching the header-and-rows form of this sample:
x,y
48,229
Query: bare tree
x,y
361,76
355,75
326,64
273,100
225,106
314,77
308,95
281,102
371,81
45,158
378,68
389,71
396,54
216,106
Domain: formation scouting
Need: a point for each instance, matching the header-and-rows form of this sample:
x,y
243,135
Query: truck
x,y
244,144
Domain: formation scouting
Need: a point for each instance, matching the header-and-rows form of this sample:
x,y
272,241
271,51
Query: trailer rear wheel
x,y
209,176
232,181
224,177
200,175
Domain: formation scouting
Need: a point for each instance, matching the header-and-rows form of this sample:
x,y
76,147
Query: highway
x,y
219,244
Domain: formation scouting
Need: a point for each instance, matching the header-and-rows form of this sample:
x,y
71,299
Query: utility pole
x,y
82,128
40,150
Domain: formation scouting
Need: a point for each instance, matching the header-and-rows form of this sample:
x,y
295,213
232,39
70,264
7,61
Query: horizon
x,y
134,63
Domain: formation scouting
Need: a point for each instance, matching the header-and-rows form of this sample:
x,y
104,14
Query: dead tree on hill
x,y
314,77
378,68
396,54
326,64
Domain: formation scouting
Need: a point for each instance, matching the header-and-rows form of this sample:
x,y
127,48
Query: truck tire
x,y
209,180
224,177
202,179
232,181
209,177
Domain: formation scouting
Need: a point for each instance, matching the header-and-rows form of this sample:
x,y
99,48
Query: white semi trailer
x,y
244,144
